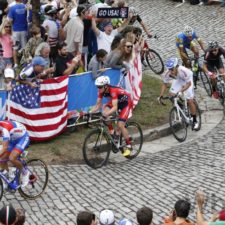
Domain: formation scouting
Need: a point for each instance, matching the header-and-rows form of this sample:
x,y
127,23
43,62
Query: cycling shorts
x,y
212,65
177,86
124,109
20,144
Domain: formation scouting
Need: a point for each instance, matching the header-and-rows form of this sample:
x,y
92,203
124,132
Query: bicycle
x,y
198,72
99,142
38,178
152,58
180,117
220,88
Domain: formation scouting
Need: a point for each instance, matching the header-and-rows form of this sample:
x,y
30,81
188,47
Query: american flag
x,y
43,110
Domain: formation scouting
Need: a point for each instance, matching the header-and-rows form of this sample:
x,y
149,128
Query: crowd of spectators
x,y
179,215
68,39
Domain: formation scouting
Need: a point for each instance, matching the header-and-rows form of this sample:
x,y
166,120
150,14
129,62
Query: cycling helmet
x,y
133,11
102,81
9,73
50,10
171,63
213,44
188,31
125,222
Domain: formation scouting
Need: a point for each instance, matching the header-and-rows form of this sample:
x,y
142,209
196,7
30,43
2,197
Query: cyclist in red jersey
x,y
120,100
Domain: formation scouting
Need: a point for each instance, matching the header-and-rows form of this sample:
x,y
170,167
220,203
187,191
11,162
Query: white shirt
x,y
104,40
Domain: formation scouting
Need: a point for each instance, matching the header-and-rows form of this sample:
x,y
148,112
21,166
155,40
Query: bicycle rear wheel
x,y
38,179
178,125
206,83
154,61
96,148
136,135
1,189
222,95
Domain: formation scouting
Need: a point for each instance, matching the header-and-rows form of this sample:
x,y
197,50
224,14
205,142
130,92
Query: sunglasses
x,y
214,50
100,87
7,26
129,46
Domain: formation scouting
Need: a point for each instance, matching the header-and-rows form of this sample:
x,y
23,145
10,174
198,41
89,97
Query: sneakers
x,y
25,178
215,95
127,151
195,126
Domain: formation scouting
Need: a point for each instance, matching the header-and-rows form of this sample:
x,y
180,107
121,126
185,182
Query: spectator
x,y
97,63
74,30
216,219
9,76
104,39
66,63
121,56
179,214
7,42
106,217
20,217
43,50
125,222
31,45
144,216
86,218
35,70
52,28
7,215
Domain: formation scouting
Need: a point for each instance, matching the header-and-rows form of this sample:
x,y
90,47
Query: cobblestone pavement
x,y
156,180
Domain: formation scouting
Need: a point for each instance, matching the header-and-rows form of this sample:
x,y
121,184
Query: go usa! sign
x,y
112,12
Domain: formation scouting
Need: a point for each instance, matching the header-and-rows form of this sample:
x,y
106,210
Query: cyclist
x,y
188,39
182,83
120,100
14,141
213,62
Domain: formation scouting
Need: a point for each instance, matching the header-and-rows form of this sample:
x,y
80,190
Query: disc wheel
x,y
178,125
38,179
154,61
96,148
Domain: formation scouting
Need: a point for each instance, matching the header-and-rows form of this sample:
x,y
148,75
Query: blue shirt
x,y
18,14
182,41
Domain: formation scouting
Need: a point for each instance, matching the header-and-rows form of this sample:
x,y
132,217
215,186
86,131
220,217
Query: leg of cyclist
x,y
184,57
106,109
19,148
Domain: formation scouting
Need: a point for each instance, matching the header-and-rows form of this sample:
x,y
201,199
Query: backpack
x,y
194,2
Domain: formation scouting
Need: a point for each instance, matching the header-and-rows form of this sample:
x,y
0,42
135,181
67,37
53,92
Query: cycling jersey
x,y
124,100
213,61
16,134
183,77
182,41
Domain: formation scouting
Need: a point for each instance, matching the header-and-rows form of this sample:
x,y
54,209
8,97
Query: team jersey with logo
x,y
12,130
183,41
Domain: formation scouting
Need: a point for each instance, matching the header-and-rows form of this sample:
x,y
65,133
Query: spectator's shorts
x,y
124,109
212,65
19,39
177,85
19,145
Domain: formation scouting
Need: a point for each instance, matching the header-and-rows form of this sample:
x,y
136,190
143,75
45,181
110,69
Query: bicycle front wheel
x,y
198,116
154,61
178,125
38,179
136,136
206,83
1,189
96,148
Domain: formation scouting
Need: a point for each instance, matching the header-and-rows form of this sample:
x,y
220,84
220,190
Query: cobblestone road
x,y
158,179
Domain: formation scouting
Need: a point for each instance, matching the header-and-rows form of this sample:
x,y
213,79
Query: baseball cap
x,y
107,24
9,73
38,60
7,215
222,215
125,222
106,217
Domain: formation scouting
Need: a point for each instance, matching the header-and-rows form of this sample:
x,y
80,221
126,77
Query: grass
x,y
67,148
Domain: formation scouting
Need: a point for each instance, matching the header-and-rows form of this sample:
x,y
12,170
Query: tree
x,y
35,12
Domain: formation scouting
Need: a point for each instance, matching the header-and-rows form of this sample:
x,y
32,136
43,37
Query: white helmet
x,y
9,73
133,11
188,31
102,81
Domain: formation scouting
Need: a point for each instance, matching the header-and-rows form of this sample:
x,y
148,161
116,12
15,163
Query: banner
x,y
113,12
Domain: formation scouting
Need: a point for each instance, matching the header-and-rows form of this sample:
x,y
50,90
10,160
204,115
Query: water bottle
x,y
12,173
195,67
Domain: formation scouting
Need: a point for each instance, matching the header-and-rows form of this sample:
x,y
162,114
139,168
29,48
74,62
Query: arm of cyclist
x,y
113,109
183,53
201,44
97,106
164,87
186,86
143,25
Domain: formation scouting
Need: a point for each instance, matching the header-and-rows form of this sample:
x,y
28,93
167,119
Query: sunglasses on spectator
x,y
100,87
129,46
8,26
